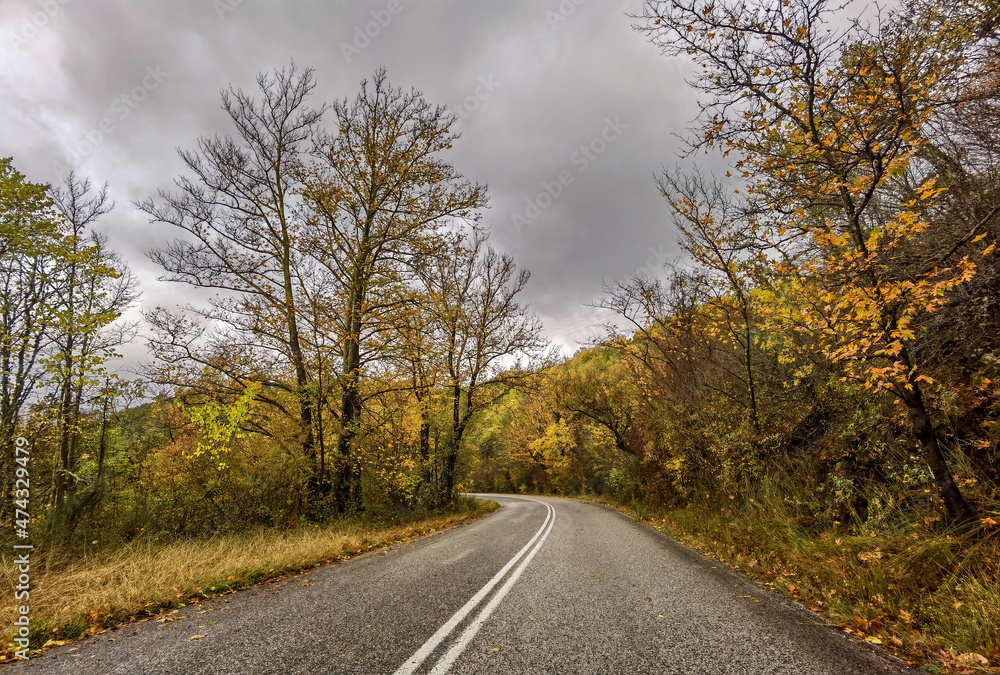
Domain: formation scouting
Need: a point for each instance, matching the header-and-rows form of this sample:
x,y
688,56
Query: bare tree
x,y
241,235
95,287
381,199
484,330
719,237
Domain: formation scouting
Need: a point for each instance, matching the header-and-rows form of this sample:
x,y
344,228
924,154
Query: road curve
x,y
542,586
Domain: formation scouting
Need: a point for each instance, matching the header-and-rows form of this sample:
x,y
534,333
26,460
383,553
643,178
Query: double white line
x,y
445,662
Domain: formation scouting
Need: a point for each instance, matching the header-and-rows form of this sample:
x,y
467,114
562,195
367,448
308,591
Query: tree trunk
x,y
457,429
294,342
322,482
425,437
61,487
423,400
301,380
959,510
7,471
102,445
751,386
67,422
348,493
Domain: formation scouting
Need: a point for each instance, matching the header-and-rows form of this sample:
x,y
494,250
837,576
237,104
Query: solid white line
x,y
448,659
419,656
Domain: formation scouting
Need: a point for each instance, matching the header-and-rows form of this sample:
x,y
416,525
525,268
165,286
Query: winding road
x,y
543,585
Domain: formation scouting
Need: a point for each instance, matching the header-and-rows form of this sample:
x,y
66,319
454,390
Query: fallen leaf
x,y
874,640
972,659
495,649
870,556
196,637
905,616
532,618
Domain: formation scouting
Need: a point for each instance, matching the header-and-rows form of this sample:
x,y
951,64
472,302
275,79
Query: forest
x,y
811,394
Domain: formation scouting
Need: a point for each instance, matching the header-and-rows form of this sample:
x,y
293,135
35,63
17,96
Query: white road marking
x,y
419,656
444,665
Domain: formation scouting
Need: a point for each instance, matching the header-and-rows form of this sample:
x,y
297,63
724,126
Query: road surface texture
x,y
541,586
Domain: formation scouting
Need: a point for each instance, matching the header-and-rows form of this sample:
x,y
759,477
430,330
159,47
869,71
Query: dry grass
x,y
143,578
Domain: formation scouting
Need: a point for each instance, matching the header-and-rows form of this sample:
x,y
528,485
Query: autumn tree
x,y
94,287
822,123
241,229
31,250
719,238
598,387
484,330
380,198
665,335
114,396
414,348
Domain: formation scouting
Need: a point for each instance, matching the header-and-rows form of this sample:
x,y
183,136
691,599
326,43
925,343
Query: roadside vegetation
x,y
80,593
928,594
354,319
812,392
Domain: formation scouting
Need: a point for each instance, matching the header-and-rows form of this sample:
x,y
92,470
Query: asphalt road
x,y
541,586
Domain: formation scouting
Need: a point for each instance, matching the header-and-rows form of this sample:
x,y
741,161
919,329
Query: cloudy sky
x,y
546,89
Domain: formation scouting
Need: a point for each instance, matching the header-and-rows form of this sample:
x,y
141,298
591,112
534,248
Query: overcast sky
x,y
547,89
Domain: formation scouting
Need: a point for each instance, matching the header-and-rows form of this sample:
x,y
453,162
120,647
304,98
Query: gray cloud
x,y
559,69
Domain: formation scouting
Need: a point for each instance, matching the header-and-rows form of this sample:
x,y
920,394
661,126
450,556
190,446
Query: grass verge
x,y
929,595
144,578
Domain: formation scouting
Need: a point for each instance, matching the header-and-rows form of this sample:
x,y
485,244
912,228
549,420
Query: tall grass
x,y
72,596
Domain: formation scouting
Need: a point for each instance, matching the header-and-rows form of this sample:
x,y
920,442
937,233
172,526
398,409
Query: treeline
x,y
833,331
357,321
357,296
63,294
